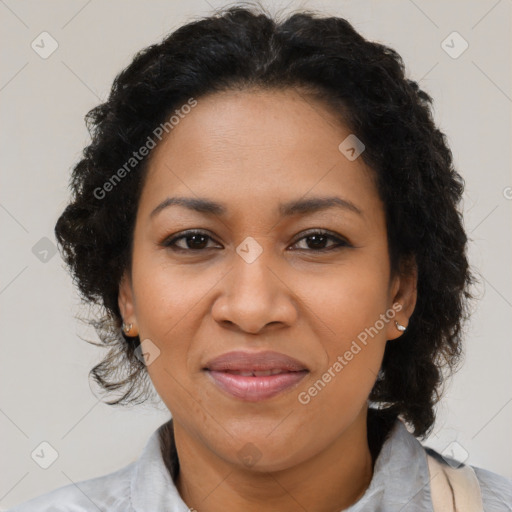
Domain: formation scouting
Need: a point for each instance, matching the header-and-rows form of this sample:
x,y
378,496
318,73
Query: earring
x,y
400,327
127,328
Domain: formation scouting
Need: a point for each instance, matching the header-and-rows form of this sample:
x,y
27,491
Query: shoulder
x,y
496,490
108,492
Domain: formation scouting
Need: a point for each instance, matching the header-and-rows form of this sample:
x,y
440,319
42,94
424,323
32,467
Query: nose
x,y
255,296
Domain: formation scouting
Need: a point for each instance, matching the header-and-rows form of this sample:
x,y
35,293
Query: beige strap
x,y
454,489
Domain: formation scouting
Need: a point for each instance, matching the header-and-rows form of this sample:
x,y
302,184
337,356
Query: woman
x,y
269,216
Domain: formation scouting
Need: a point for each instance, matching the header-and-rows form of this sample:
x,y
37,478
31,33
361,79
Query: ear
x,y
126,301
403,296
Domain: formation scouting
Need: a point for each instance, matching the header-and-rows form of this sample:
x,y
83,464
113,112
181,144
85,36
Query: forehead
x,y
253,149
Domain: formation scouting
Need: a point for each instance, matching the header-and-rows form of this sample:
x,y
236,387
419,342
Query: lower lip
x,y
254,389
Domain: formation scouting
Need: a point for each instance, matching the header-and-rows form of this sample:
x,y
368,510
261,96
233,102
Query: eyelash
x,y
170,243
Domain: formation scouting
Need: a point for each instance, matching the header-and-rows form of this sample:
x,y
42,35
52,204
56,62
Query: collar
x,y
400,479
151,486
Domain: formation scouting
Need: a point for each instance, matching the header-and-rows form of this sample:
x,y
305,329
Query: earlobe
x,y
125,299
404,297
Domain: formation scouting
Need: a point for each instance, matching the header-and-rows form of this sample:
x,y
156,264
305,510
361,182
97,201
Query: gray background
x,y
45,394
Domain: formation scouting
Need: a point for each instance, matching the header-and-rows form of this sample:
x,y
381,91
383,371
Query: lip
x,y
241,360
255,388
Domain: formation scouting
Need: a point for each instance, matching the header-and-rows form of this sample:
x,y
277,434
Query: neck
x,y
333,479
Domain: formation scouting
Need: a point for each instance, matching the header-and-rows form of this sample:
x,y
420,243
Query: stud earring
x,y
127,327
400,327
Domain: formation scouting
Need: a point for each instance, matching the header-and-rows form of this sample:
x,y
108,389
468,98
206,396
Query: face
x,y
310,283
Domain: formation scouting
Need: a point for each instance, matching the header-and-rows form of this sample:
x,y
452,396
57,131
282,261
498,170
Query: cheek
x,y
355,310
164,308
166,294
349,298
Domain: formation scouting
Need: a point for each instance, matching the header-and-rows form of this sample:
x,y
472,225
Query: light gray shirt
x,y
400,482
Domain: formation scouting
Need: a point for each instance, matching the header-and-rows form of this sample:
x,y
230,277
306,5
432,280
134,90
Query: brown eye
x,y
317,240
196,241
192,241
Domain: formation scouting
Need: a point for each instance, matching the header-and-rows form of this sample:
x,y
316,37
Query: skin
x,y
251,150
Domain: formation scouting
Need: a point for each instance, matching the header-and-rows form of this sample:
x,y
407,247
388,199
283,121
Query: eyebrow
x,y
298,206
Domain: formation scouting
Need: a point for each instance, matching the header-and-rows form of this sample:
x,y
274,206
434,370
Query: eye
x,y
196,241
318,238
193,241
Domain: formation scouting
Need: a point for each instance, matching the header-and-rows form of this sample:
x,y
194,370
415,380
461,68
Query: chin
x,y
262,453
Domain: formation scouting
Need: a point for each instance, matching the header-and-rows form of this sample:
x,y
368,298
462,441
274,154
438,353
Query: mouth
x,y
255,376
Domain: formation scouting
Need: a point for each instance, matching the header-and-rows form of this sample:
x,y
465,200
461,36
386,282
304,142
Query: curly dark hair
x,y
364,84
